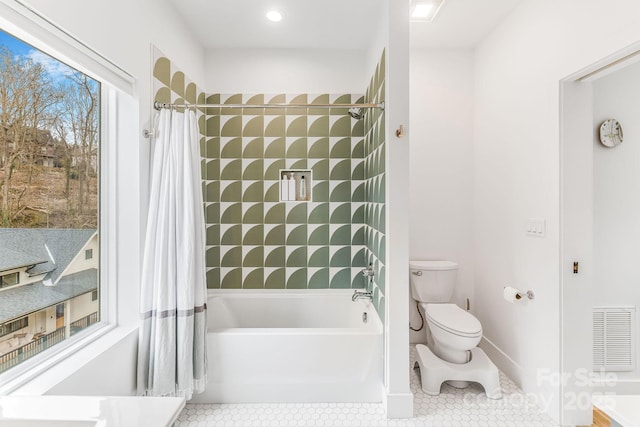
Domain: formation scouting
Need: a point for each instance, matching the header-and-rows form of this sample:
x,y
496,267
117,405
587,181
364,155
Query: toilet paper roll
x,y
511,294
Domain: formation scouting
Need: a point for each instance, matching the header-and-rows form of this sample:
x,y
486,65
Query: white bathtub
x,y
288,346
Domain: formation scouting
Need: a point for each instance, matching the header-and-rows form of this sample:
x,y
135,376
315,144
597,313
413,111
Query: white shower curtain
x,y
171,354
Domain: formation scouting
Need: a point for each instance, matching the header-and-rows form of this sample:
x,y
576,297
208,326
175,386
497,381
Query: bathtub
x,y
287,346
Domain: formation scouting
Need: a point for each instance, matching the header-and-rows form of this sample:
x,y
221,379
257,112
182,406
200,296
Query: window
x,y
11,327
94,295
10,279
50,129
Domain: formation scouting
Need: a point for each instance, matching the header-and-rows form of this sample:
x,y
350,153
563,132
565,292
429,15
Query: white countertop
x,y
89,411
623,409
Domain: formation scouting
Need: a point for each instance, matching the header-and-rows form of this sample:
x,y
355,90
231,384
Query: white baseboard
x,y
516,373
502,361
398,405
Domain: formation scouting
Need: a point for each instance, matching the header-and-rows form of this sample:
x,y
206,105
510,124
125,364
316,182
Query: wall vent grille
x,y
614,338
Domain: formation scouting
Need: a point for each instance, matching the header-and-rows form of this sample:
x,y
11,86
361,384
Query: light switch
x,y
536,227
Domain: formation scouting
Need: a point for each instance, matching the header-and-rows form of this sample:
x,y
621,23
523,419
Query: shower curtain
x,y
171,353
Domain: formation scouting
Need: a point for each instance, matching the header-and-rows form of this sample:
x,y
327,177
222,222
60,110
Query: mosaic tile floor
x,y
452,408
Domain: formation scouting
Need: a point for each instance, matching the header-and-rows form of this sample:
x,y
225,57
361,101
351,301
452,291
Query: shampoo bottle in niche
x,y
284,188
303,189
292,187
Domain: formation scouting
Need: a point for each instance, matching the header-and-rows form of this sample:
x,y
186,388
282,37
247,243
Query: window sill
x,y
45,376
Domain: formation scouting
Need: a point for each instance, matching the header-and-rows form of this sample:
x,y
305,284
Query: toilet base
x,y
434,371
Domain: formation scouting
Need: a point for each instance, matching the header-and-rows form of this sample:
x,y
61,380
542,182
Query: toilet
x,y
451,353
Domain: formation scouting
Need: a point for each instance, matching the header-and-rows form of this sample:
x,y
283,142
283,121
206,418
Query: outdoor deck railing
x,y
29,350
86,321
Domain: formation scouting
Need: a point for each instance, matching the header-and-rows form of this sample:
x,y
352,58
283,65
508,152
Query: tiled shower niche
x,y
254,239
296,185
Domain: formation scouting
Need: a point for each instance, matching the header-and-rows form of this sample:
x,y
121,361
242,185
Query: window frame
x,y
2,276
23,322
26,24
106,197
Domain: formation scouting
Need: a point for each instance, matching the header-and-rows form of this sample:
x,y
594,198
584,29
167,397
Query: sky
x,y
56,69
15,45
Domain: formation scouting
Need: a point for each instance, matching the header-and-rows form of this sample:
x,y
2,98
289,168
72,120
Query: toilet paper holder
x,y
530,295
520,295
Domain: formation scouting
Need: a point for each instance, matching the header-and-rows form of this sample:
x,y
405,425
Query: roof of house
x,y
23,300
48,250
10,259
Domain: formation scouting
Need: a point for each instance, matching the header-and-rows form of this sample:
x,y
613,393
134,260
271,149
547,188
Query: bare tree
x,y
78,126
26,91
47,122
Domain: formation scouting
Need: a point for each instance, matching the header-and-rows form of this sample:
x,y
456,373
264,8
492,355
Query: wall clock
x,y
610,133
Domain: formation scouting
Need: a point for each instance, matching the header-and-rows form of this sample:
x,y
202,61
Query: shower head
x,y
357,113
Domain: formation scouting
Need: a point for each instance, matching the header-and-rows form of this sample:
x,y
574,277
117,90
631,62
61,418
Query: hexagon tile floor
x,y
452,408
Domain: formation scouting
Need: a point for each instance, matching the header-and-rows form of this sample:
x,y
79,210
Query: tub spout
x,y
361,295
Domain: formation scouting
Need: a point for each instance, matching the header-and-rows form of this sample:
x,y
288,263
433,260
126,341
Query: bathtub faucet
x,y
368,272
360,295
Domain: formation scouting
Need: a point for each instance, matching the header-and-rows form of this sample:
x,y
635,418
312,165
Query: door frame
x,y
576,233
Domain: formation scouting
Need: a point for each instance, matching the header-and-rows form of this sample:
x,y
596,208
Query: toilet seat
x,y
453,319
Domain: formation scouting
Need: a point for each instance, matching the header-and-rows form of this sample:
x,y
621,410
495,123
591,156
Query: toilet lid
x,y
453,319
432,265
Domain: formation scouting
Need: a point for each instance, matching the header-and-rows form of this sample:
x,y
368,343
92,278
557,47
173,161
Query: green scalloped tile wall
x,y
253,239
374,172
170,85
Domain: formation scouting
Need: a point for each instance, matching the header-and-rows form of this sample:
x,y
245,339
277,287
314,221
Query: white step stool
x,y
434,371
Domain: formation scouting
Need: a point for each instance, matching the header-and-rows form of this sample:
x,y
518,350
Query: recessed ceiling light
x,y
425,10
421,10
274,16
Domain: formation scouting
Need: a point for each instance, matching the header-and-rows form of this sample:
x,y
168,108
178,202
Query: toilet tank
x,y
432,281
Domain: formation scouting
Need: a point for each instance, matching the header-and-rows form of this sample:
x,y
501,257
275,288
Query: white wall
x,y
39,319
112,373
517,176
103,380
51,319
399,400
616,195
82,306
441,165
80,263
286,71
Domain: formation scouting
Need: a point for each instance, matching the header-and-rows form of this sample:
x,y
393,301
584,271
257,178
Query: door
x,y
60,315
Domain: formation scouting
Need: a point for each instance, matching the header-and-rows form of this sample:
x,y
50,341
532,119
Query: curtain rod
x,y
161,105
